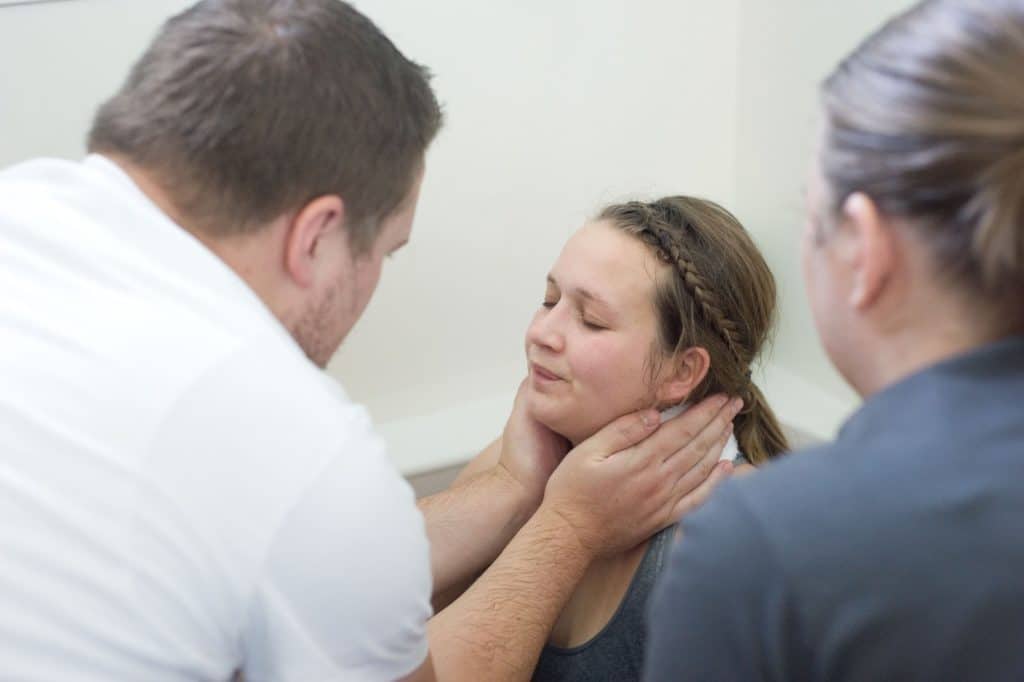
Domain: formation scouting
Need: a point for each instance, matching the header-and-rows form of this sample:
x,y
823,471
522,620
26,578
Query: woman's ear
x,y
870,250
688,369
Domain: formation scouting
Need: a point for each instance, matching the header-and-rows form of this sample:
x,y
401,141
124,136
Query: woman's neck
x,y
911,350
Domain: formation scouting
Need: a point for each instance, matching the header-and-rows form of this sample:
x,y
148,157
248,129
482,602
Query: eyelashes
x,y
592,326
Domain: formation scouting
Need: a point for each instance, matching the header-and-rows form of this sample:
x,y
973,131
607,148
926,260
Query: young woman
x,y
650,304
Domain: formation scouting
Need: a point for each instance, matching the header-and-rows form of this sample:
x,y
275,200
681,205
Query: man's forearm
x,y
496,630
470,523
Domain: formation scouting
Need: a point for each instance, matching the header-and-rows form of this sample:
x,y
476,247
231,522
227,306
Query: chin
x,y
549,415
560,420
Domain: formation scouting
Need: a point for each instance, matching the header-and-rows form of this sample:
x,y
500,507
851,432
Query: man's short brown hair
x,y
246,109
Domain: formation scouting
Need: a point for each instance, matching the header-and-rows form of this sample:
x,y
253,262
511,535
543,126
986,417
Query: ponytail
x,y
757,429
998,243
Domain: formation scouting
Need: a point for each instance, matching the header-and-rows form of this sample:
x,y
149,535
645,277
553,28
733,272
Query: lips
x,y
544,374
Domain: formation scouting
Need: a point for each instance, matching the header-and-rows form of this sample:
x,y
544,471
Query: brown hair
x,y
719,295
926,117
247,109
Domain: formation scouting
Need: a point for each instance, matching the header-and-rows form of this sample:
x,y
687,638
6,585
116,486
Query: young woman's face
x,y
589,345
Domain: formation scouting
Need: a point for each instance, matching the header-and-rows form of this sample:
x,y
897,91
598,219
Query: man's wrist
x,y
560,526
525,499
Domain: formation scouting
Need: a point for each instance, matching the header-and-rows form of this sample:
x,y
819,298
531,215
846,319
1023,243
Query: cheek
x,y
612,371
807,270
805,254
811,261
367,277
825,293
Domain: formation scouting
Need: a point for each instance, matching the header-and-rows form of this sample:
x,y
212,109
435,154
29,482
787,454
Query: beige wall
x,y
554,108
60,60
786,48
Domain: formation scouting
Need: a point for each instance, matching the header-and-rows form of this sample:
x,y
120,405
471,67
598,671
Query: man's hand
x,y
633,478
471,522
529,450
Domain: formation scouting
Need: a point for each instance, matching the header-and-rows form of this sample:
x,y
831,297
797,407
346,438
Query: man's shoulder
x,y
268,395
255,437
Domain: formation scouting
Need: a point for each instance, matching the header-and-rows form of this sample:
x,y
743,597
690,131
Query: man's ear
x,y
867,247
318,222
689,369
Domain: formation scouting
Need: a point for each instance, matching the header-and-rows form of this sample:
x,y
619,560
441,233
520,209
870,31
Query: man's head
x,y
289,136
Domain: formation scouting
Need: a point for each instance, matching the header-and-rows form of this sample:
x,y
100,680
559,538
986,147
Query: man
x,y
185,495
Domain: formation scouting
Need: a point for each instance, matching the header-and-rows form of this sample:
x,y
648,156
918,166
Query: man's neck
x,y
148,185
249,259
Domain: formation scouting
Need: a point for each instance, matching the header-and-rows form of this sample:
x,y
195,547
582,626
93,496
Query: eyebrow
x,y
584,293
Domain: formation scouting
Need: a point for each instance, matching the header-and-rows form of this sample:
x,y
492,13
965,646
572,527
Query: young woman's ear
x,y
690,368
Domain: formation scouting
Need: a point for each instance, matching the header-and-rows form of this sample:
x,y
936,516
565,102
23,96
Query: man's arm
x,y
464,576
471,522
610,493
495,631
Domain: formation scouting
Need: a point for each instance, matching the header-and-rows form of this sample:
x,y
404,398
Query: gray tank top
x,y
617,652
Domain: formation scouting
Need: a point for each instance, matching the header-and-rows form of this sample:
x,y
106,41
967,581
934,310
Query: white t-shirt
x,y
182,493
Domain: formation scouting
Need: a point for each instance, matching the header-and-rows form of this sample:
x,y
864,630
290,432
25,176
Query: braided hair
x,y
718,294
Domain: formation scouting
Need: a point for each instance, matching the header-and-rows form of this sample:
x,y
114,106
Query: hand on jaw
x,y
608,494
627,481
529,453
634,477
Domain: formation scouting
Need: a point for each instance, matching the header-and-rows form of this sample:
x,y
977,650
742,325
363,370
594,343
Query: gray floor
x,y
434,481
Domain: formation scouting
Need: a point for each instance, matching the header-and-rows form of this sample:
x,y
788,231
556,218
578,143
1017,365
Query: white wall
x,y
60,61
787,47
554,108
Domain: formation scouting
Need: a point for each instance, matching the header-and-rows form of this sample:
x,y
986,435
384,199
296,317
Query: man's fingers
x,y
700,495
621,434
677,433
715,430
744,470
688,475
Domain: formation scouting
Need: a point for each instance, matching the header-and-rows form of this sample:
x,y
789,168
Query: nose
x,y
545,331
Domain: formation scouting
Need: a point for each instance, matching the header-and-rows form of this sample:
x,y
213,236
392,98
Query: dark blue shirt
x,y
895,553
